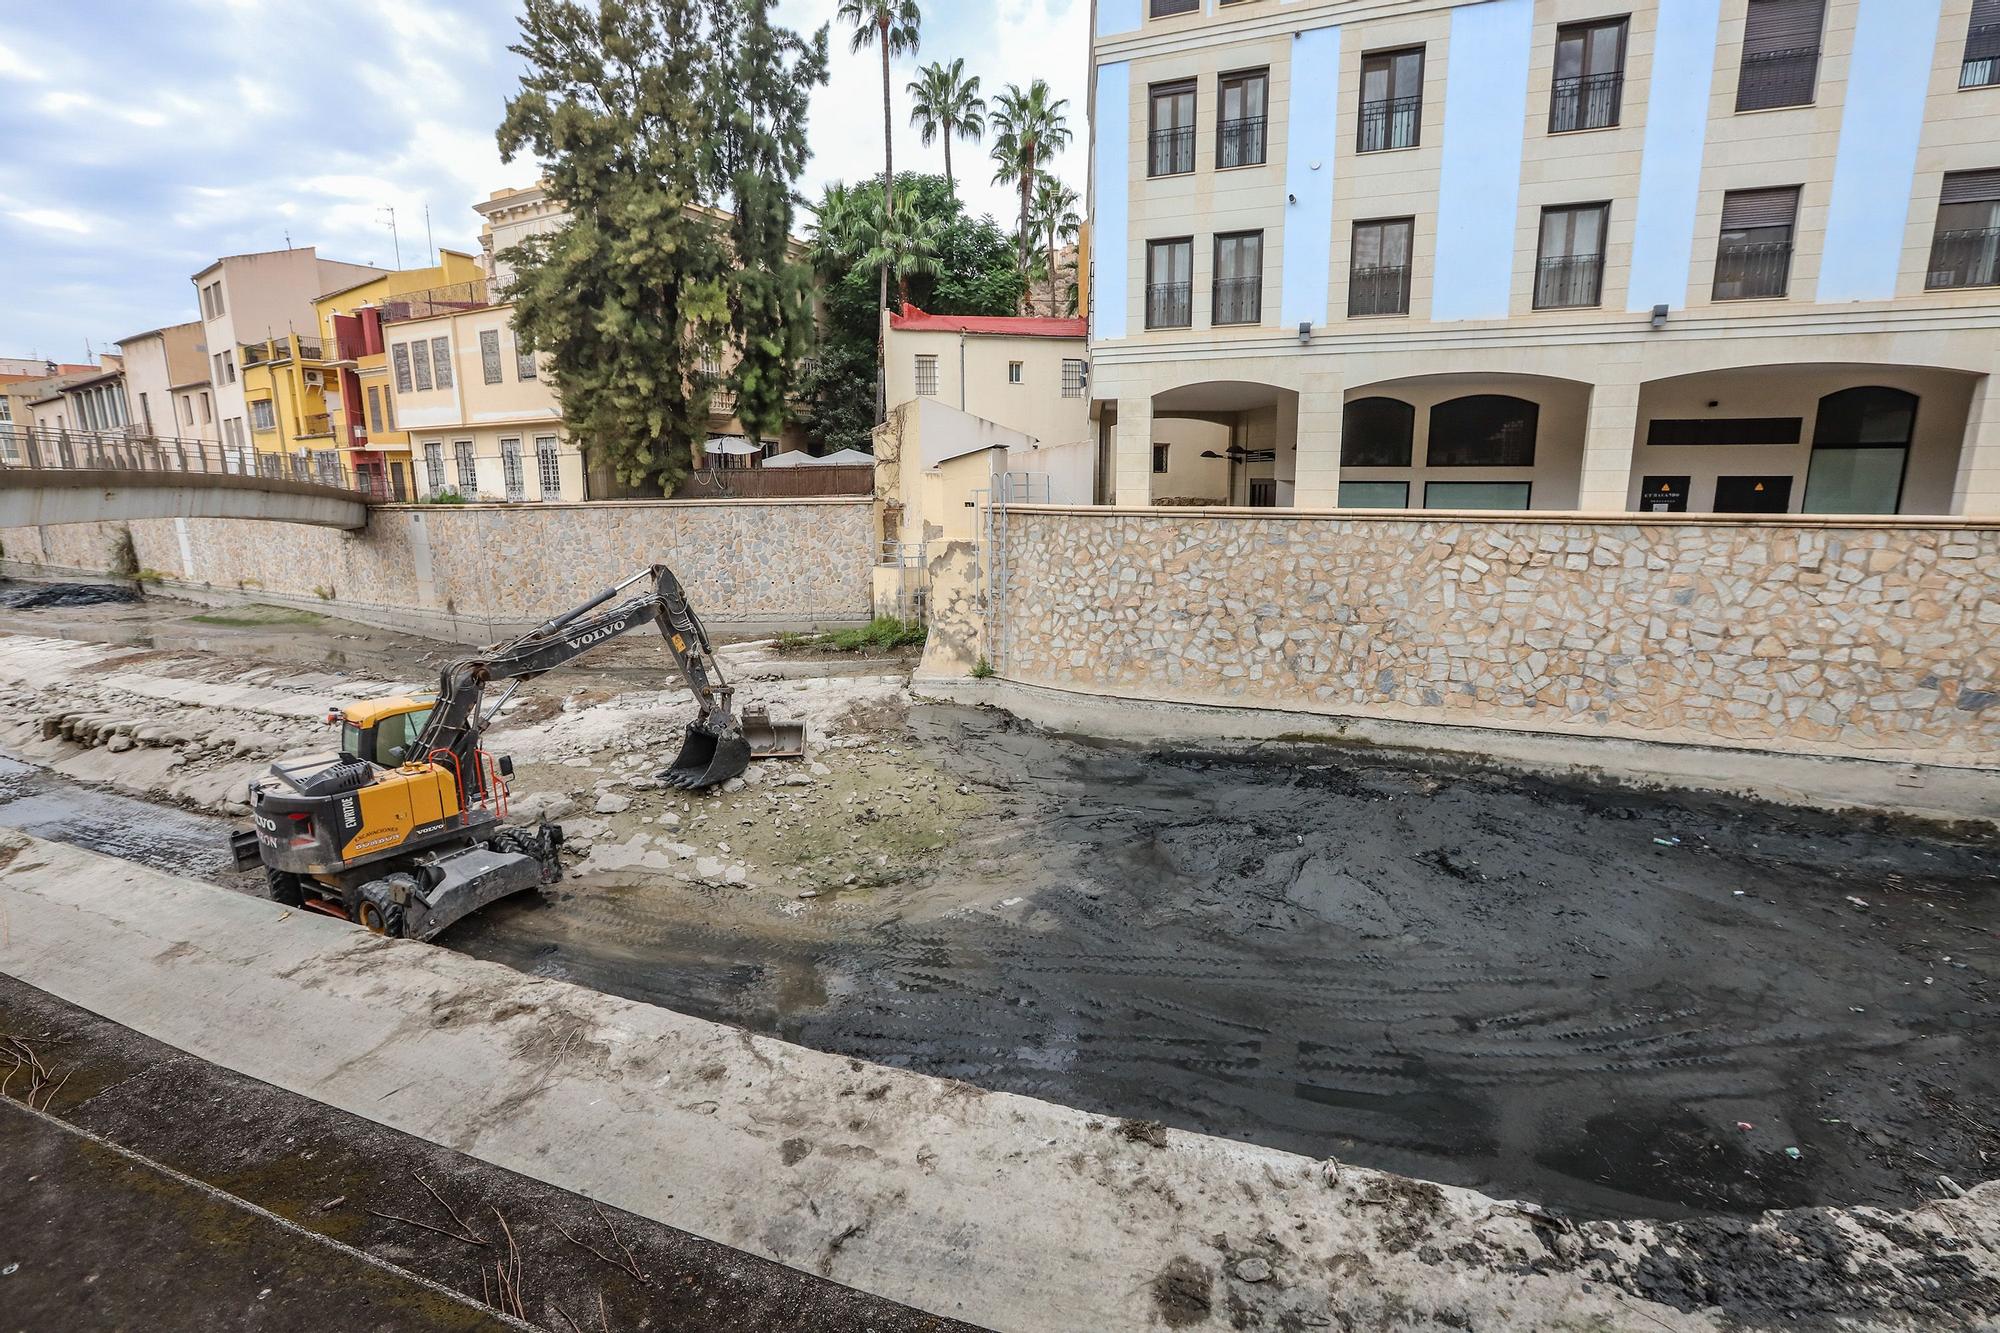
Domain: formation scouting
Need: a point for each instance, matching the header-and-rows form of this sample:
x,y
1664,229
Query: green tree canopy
x,y
641,112
976,274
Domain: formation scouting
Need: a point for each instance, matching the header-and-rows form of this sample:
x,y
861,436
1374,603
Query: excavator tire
x,y
285,889
376,910
707,760
544,845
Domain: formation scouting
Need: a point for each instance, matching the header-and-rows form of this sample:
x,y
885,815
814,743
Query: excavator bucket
x,y
773,740
707,759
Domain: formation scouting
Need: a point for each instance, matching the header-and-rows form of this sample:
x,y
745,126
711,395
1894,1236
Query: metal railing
x,y
26,448
1240,143
1589,102
1170,152
1967,258
273,350
1569,282
1982,57
1379,289
807,481
1237,301
473,295
1745,272
1777,78
1169,305
1390,123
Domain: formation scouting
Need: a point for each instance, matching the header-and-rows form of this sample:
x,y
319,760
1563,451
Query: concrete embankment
x,y
996,1209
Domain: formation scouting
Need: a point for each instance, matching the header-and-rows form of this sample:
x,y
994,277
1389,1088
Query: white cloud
x,y
65,221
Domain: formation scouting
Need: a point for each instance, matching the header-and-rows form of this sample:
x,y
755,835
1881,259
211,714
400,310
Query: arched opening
x,y
1484,430
1225,442
1377,432
1861,449
1463,440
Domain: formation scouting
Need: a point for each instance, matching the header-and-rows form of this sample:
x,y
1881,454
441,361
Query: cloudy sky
x,y
140,139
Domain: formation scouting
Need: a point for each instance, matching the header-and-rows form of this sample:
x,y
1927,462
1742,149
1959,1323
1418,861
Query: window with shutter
x,y
401,356
1965,248
441,361
421,364
1780,54
489,355
1982,47
1753,256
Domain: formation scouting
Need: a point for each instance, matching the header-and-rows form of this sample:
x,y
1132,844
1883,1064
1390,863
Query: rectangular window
x,y
1378,272
1170,138
1374,495
1263,493
433,466
1166,9
510,470
489,355
229,366
1241,118
1073,378
400,354
927,381
524,358
217,358
1015,370
548,467
1476,494
1965,248
1589,87
262,418
1170,283
1753,256
388,411
441,361
1392,100
468,467
1569,270
207,409
1780,54
1982,47
375,409
187,409
1238,297
1160,457
421,363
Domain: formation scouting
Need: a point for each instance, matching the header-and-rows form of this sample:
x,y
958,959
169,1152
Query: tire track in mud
x,y
1455,974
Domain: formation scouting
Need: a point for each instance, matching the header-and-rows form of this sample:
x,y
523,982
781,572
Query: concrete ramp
x,y
995,1209
32,497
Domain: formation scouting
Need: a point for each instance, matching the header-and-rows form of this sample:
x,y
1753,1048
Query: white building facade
x,y
1597,255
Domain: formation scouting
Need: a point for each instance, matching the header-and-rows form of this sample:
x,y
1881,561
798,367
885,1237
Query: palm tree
x,y
1056,224
902,241
893,24
1029,129
944,101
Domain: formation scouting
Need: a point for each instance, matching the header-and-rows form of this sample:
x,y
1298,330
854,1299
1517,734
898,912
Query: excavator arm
x,y
716,748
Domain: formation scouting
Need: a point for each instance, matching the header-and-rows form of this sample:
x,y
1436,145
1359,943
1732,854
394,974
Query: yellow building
x,y
284,394
361,412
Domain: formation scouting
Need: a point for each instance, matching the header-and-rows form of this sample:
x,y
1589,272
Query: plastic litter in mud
x,y
1666,842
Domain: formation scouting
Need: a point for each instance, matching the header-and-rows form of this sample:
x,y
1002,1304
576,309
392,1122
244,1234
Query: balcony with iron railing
x,y
1569,282
1964,258
1379,289
1390,123
1240,143
1771,79
276,351
1237,301
1589,102
1170,152
1751,272
1982,57
1169,305
458,296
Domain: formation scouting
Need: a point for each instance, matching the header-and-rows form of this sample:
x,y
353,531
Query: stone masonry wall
x,y
741,561
1881,639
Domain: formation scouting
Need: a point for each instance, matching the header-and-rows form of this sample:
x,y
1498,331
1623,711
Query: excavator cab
x,y
383,731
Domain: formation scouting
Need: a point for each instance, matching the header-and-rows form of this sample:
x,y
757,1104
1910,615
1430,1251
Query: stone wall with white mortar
x,y
742,561
1853,637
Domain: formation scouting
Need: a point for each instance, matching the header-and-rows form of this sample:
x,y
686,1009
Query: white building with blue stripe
x,y
1596,255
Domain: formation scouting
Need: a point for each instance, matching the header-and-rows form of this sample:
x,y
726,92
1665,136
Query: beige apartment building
x,y
166,383
1599,255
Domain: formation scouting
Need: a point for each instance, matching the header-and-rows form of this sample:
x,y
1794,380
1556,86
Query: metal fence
x,y
473,295
779,483
26,448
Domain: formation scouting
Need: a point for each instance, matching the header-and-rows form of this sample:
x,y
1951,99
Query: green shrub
x,y
881,635
982,670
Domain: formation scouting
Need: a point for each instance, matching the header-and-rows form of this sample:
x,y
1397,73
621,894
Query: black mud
x,y
35,596
1615,1003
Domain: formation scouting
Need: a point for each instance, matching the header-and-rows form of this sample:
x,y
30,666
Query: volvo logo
x,y
585,640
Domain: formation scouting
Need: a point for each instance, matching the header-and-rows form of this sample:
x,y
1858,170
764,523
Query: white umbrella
x,y
730,444
800,458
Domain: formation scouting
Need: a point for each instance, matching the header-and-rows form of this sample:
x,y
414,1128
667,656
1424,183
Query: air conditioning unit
x,y
315,379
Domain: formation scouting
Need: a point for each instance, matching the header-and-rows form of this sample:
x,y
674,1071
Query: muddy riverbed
x,y
1615,1003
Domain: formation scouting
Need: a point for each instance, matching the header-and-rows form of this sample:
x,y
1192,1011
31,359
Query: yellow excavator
x,y
403,829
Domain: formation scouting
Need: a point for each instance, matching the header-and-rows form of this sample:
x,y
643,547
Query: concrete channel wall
x,y
1852,638
470,571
